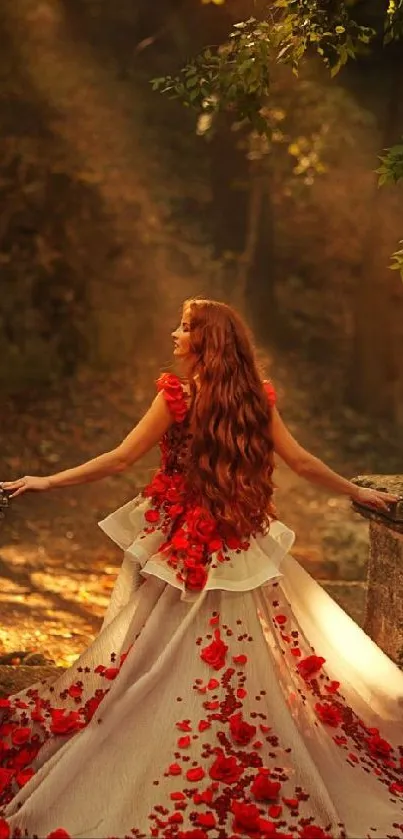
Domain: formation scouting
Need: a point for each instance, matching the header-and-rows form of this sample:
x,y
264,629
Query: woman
x,y
226,694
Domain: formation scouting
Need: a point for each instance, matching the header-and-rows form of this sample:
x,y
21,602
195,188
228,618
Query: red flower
x,y
172,389
65,722
312,831
111,673
379,747
184,742
241,732
332,687
177,796
226,769
206,819
247,816
239,659
152,515
291,802
197,833
201,525
328,713
396,788
196,578
195,774
4,829
6,775
203,725
174,769
263,789
59,833
310,666
233,543
275,811
75,691
280,619
20,736
184,725
24,776
180,541
214,654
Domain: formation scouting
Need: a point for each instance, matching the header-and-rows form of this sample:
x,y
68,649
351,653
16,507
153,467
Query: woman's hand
x,y
375,498
29,482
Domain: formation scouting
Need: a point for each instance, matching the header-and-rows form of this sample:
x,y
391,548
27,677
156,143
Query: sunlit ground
x,y
55,612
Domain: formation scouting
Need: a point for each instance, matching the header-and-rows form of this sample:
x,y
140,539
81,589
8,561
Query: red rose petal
x,y
195,774
291,802
280,619
5,832
184,742
184,725
239,659
275,811
174,769
241,693
204,725
206,819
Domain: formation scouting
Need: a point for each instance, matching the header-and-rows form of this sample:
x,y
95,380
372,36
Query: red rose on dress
x,y
24,776
6,775
396,788
65,722
379,747
152,515
226,769
20,736
239,659
241,732
263,789
59,833
180,540
196,578
75,691
206,819
247,816
329,714
5,832
214,654
111,673
195,774
310,666
172,389
312,831
201,524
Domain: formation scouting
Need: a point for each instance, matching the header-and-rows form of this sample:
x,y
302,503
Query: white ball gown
x,y
226,695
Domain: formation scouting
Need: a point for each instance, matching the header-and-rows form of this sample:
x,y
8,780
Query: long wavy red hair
x,y
230,455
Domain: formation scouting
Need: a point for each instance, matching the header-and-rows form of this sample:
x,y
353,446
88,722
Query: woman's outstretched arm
x,y
143,437
314,470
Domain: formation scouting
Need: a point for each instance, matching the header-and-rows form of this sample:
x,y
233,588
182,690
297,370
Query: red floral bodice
x,y
192,535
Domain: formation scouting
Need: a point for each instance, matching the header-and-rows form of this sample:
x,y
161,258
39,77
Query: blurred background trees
x,y
118,202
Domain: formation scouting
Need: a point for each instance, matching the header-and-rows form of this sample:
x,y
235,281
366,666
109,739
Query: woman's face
x,y
181,336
